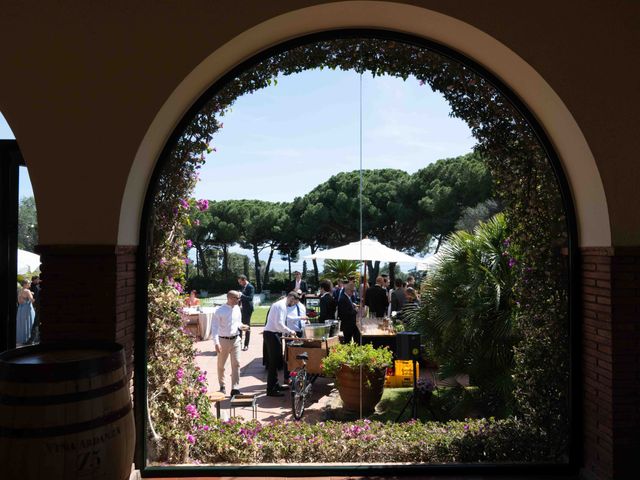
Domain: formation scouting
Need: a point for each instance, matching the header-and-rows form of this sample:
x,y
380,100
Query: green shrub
x,y
355,356
468,315
178,405
469,441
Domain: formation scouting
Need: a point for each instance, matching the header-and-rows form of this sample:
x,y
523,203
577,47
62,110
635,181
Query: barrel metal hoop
x,y
63,398
113,359
65,429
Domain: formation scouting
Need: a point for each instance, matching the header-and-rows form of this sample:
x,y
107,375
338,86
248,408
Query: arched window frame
x,y
575,435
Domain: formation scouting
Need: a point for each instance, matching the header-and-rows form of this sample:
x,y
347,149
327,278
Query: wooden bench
x,y
244,401
216,398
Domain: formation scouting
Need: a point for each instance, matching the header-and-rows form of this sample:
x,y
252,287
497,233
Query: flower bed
x,y
364,441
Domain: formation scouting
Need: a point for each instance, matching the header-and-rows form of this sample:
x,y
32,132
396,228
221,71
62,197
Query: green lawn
x,y
259,316
392,402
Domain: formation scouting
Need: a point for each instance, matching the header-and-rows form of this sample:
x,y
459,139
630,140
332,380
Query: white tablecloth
x,y
204,319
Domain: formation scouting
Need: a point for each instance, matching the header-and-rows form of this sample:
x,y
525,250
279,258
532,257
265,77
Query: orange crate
x,y
403,376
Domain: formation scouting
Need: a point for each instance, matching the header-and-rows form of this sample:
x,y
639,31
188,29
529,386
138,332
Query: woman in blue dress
x,y
25,315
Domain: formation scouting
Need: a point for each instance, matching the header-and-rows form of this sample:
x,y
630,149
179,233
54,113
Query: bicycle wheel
x,y
298,393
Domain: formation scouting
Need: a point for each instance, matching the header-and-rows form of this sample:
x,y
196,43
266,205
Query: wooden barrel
x,y
65,412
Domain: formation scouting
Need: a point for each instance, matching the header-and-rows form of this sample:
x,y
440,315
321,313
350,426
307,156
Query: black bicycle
x,y
301,384
304,359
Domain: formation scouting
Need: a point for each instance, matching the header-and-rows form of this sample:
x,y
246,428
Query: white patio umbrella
x,y
369,250
429,262
28,262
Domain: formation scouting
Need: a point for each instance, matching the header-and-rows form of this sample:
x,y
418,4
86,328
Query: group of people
x,y
27,321
230,326
231,322
383,301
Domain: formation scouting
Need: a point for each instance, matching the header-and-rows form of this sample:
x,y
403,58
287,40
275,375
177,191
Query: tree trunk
x,y
289,261
373,271
265,282
201,260
440,238
392,274
315,272
256,259
315,266
245,266
225,262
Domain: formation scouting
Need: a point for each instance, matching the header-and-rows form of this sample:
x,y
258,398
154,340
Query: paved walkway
x,y
253,380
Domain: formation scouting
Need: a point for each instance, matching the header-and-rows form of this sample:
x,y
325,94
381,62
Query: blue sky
x,y
24,186
282,141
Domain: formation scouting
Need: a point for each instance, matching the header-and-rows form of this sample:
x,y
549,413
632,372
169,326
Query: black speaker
x,y
408,346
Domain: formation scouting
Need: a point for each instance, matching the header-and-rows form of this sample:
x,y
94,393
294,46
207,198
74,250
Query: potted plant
x,y
359,369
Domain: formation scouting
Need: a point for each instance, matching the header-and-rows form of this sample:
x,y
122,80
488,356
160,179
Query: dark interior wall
x,y
81,82
79,75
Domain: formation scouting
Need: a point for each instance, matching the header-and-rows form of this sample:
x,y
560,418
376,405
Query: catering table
x,y
373,333
200,317
204,319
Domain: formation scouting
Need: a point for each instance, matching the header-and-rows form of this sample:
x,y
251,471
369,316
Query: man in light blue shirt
x,y
225,330
296,317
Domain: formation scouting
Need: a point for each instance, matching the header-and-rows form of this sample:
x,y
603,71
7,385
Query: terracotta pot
x,y
349,382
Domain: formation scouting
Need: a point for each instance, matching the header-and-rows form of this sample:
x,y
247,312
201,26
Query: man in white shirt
x,y
225,330
296,316
298,284
273,330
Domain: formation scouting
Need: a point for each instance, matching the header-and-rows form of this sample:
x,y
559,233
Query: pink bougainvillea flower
x,y
189,243
184,203
196,222
191,439
203,205
192,411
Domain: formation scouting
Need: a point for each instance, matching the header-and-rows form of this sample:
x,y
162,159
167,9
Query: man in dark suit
x,y
327,302
376,299
347,313
397,297
298,285
246,305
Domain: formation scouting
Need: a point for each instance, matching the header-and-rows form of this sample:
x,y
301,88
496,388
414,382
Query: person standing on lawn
x,y
225,330
246,304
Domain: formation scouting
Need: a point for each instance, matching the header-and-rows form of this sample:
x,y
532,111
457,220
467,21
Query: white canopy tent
x,y
368,249
28,262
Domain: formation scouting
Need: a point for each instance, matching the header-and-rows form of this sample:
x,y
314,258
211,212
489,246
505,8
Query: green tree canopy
x,y
261,223
445,188
27,224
